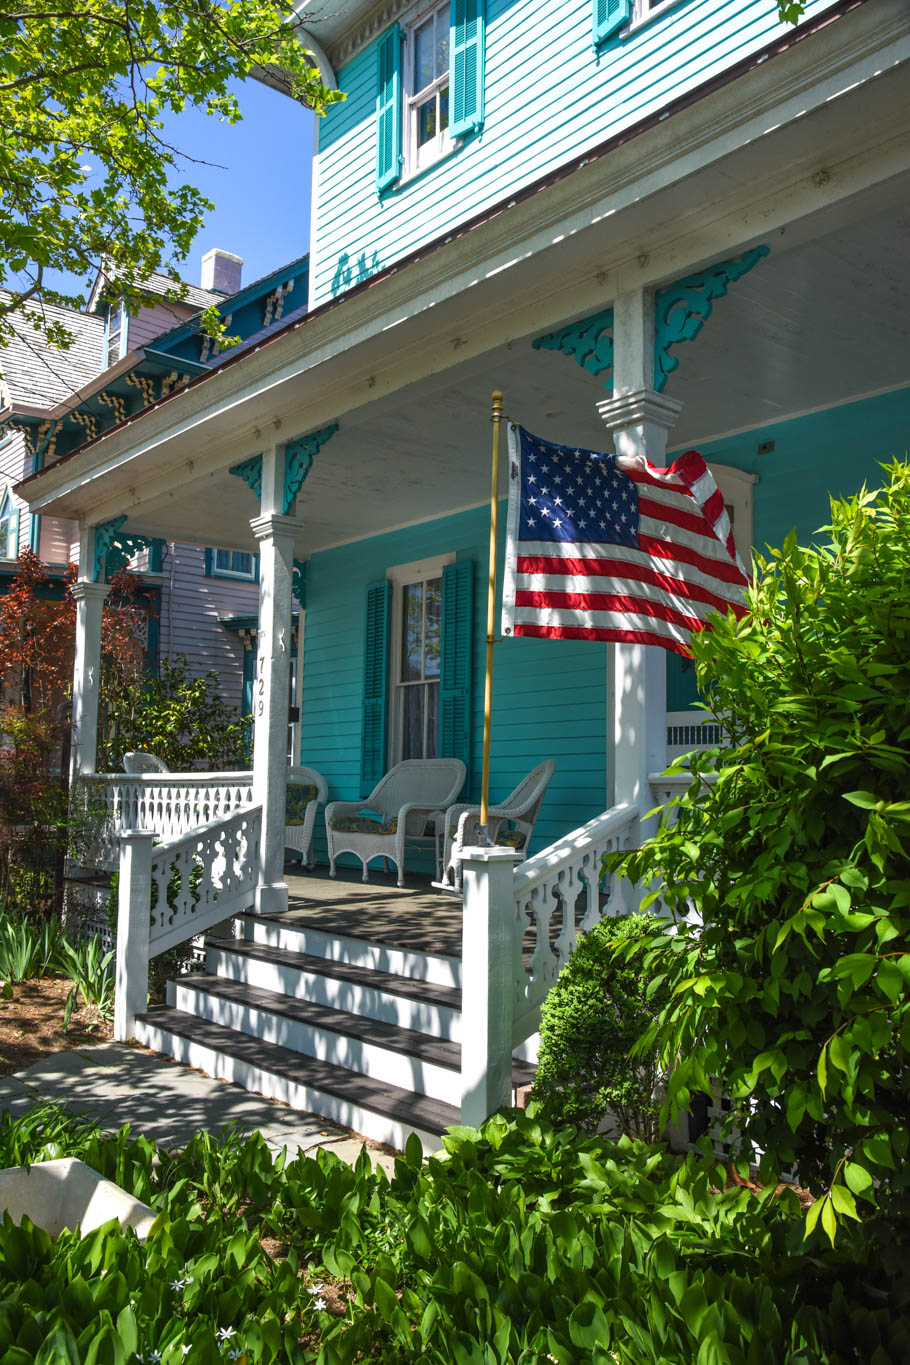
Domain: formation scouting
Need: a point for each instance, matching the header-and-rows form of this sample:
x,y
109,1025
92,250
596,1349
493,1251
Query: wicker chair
x,y
510,824
141,762
411,795
307,790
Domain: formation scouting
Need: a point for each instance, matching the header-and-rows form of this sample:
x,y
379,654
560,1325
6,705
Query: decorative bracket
x,y
251,472
299,581
104,537
122,551
683,308
589,341
298,461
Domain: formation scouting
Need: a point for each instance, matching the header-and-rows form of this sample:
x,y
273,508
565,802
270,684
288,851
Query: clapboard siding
x,y
191,604
549,697
549,96
15,463
149,323
57,536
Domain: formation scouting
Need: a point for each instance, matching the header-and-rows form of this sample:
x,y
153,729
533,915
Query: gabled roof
x,y
158,286
151,373
41,375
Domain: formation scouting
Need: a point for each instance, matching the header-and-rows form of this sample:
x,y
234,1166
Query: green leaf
x,y
587,1325
865,800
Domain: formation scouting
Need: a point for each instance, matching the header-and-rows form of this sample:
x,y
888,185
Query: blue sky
x,y
258,179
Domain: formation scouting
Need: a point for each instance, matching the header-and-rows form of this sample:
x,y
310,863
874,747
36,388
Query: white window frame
x,y
118,310
233,573
6,500
418,159
400,576
643,12
736,487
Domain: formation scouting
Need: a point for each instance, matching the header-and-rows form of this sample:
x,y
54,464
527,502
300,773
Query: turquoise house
x,y
655,225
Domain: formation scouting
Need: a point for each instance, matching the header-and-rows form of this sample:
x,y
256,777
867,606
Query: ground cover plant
x,y
519,1243
789,968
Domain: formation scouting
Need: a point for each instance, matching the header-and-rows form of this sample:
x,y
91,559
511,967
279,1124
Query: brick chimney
x,y
221,271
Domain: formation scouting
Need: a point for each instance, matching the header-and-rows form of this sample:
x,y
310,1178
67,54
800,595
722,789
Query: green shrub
x,y
795,990
520,1243
590,1021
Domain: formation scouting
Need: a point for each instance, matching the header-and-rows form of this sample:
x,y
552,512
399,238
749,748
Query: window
x,y
417,665
232,564
430,86
9,528
415,695
116,333
427,88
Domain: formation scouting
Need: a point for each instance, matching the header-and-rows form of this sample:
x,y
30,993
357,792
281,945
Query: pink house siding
x,y
149,323
191,604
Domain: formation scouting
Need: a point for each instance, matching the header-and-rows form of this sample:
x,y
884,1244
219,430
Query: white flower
x,y
319,1304
315,1288
186,1350
225,1332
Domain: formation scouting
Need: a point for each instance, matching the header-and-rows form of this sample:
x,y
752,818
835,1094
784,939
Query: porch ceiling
x,y
809,327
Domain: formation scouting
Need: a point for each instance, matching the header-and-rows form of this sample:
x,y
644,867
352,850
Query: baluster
x,y
569,891
543,961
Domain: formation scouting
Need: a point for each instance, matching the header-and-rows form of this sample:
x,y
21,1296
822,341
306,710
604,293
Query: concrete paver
x,y
168,1103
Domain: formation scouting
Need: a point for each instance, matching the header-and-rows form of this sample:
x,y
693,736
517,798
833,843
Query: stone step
x,y
422,1006
376,1109
284,931
384,1051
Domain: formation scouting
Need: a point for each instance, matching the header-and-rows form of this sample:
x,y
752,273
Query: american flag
x,y
609,547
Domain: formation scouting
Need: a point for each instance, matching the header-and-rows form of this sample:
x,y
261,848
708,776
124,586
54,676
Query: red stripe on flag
x,y
668,587
687,521
718,568
607,601
632,637
549,567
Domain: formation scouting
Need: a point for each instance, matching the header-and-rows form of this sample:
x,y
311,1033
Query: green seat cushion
x,y
364,824
511,838
299,796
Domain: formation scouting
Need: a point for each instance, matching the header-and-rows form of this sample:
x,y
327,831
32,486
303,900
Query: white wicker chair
x,y
518,812
141,762
307,790
411,794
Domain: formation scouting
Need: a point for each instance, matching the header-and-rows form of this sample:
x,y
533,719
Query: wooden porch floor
x,y
413,917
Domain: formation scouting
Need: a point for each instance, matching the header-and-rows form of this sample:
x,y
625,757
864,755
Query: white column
x,y
275,534
89,598
640,420
134,898
487,986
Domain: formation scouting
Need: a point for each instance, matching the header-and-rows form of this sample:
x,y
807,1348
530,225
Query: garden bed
x,y
31,1024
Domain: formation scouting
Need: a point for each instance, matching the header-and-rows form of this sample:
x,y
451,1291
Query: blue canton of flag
x,y
569,494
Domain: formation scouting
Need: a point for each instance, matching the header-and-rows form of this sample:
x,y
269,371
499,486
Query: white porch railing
x,y
520,926
169,804
170,892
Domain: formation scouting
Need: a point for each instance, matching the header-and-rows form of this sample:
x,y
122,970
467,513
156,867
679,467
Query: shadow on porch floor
x,y
413,917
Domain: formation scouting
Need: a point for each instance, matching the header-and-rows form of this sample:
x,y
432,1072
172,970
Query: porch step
x,y
384,1051
377,1109
423,1006
280,931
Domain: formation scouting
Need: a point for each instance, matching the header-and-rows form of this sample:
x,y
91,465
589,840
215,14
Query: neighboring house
x,y
195,595
654,226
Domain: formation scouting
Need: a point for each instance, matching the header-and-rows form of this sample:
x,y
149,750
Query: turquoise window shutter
x,y
466,66
608,16
209,562
388,110
375,684
455,665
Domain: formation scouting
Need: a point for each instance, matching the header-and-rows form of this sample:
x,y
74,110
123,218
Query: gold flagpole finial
x,y
491,615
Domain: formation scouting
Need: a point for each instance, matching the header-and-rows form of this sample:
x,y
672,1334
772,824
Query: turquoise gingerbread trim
x,y
683,308
298,461
299,581
122,550
104,537
251,472
589,341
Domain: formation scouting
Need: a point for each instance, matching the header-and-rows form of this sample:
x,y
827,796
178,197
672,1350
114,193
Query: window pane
x,y
433,628
242,562
223,560
444,107
442,43
432,694
411,632
426,121
412,703
423,56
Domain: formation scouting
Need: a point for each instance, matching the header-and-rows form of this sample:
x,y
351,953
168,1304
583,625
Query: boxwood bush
x,y
519,1243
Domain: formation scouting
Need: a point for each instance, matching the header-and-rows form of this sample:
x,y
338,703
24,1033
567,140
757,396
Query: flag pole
x,y
491,616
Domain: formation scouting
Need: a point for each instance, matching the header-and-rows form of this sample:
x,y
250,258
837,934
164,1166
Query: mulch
x,y
31,1024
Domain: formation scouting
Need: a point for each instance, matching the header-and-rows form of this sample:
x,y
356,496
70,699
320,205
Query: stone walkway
x,y
168,1103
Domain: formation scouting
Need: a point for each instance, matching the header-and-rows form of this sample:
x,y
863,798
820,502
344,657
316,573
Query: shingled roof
x,y
41,375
